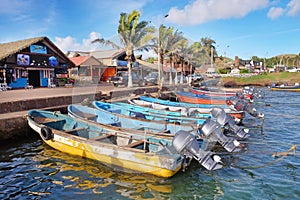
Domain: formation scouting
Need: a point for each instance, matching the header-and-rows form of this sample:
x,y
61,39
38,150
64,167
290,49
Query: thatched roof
x,y
10,48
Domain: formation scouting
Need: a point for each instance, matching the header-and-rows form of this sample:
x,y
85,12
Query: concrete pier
x,y
14,104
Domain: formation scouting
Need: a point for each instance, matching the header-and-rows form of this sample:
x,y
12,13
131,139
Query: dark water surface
x,y
30,169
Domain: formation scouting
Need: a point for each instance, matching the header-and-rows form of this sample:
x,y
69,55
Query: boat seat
x,y
88,116
118,111
43,120
102,137
75,129
166,131
134,144
70,125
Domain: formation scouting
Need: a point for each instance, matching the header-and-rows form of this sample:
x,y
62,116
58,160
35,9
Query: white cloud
x,y
70,44
202,11
275,12
293,8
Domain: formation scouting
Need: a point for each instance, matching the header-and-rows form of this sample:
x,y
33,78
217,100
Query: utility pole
x,y
160,70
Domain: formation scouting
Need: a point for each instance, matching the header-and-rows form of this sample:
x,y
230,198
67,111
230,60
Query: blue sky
x,y
264,28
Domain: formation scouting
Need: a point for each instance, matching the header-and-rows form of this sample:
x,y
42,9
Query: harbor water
x,y
29,169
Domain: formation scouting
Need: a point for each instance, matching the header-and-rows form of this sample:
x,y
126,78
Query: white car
x,y
293,70
212,74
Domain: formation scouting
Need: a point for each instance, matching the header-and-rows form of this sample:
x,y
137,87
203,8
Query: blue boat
x,y
129,110
136,120
160,112
139,121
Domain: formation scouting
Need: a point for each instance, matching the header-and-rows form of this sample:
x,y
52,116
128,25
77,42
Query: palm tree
x,y
134,36
165,44
198,53
208,44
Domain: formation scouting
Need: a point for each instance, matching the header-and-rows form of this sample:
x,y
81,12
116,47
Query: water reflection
x,y
70,172
30,169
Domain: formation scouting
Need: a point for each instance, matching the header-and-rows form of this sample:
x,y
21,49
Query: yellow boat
x,y
140,153
145,152
286,88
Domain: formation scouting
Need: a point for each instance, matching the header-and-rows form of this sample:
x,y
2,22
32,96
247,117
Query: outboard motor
x,y
186,144
242,95
241,105
213,132
227,121
253,91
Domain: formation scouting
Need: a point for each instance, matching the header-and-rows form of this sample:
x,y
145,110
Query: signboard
x,y
23,59
38,49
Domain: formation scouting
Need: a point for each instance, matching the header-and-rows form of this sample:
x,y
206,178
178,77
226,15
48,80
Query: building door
x,y
34,78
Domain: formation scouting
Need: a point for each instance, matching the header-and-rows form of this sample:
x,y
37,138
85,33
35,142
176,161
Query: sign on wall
x,y
38,49
23,59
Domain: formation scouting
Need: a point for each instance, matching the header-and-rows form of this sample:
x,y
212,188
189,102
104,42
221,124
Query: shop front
x,y
35,62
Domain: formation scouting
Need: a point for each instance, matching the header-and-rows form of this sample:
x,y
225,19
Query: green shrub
x,y
223,71
244,71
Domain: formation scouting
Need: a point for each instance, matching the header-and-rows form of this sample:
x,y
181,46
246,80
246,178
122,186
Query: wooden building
x,y
112,61
87,69
35,62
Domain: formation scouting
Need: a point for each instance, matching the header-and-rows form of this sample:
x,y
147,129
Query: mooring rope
x,y
280,155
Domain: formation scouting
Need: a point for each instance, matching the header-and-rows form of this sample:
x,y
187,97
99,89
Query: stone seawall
x,y
14,125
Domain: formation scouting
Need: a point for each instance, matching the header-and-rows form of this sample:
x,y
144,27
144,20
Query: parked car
x,y
197,77
212,73
151,78
121,78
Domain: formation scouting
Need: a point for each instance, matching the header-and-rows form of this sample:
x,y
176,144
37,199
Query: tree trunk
x,y
181,76
129,66
171,71
161,70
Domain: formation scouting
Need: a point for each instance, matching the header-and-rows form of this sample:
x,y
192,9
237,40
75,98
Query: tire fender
x,y
46,133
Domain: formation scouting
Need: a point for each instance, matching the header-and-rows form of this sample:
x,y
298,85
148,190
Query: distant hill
x,y
286,55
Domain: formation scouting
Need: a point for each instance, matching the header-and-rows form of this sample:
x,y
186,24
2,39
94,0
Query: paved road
x,y
24,94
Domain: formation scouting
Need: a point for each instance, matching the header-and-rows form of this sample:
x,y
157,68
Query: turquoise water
x,y
30,169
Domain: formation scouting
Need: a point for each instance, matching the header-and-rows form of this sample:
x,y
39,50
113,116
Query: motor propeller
x,y
187,145
212,131
227,121
241,105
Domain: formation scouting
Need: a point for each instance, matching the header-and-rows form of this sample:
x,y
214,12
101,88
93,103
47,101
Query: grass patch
x,y
266,79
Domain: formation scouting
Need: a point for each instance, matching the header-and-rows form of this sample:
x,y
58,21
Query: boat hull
x,y
286,89
183,106
213,93
149,122
197,99
159,111
160,165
